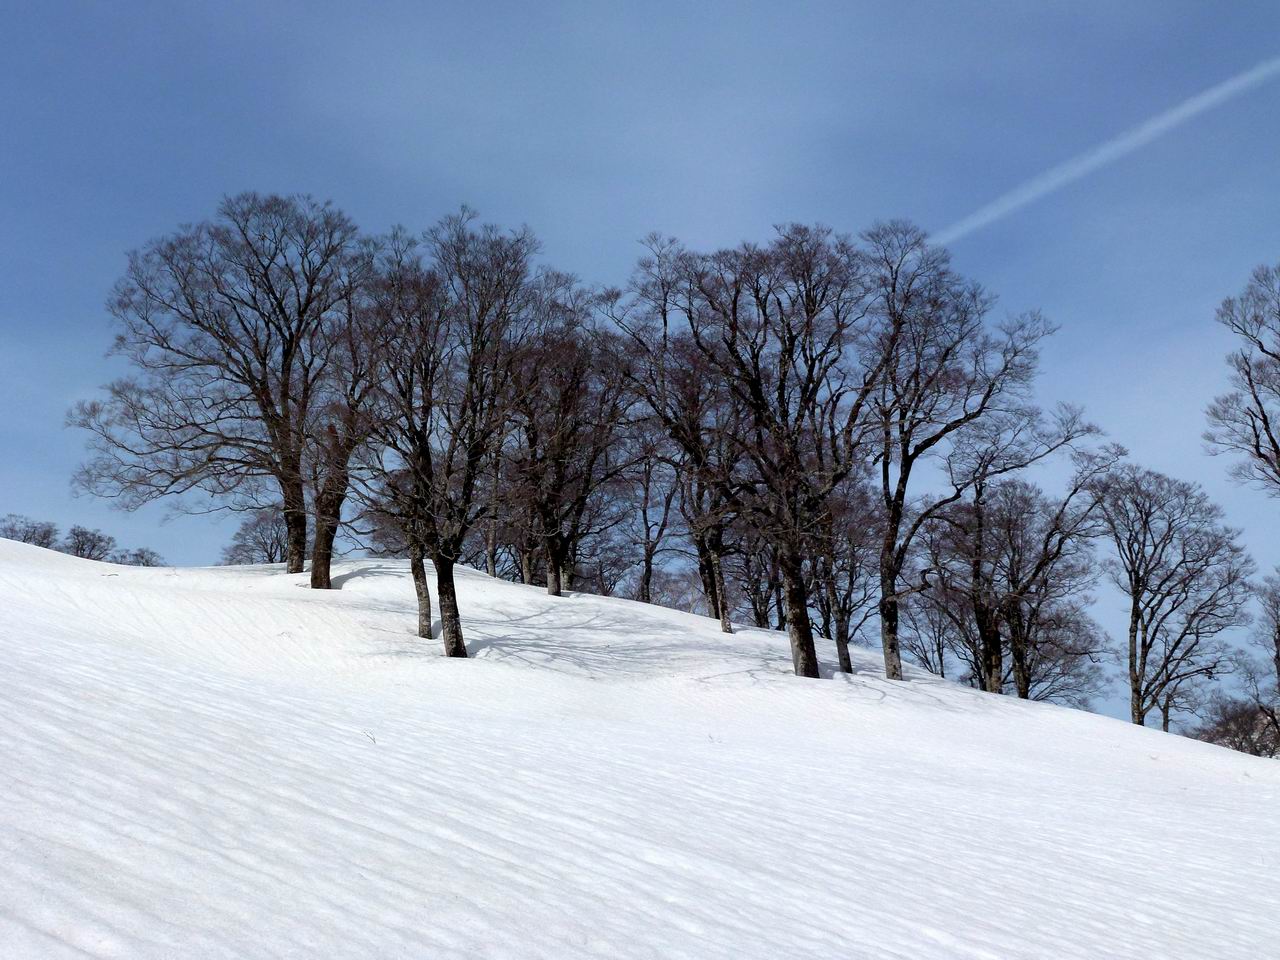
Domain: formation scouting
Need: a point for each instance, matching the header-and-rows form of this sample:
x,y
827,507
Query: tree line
x,y
85,542
825,434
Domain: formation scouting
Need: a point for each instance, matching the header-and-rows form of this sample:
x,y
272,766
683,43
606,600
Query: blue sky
x,y
597,123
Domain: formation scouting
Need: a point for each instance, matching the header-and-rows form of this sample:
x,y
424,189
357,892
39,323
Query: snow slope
x,y
221,763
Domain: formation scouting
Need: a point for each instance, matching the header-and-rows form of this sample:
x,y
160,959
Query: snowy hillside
x,y
221,763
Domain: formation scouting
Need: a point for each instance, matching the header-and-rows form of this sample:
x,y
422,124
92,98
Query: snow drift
x,y
222,763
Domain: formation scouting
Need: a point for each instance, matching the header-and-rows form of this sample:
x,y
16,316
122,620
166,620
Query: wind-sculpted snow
x,y
221,763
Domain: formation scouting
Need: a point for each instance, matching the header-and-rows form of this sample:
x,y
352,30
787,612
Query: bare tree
x,y
1011,566
262,537
1267,635
138,557
779,328
230,328
1245,421
88,544
685,396
39,533
934,629
1238,724
843,566
653,485
570,402
451,331
341,422
954,391
1260,675
1184,575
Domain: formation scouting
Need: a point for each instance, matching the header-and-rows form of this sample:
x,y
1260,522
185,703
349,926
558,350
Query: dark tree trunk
x,y
450,620
491,550
990,647
553,562
1136,713
1019,653
1165,706
645,592
528,561
799,629
420,586
322,554
329,498
1275,642
722,604
706,574
842,643
888,608
295,522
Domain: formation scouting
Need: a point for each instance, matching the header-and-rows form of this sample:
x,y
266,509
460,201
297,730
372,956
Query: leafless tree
x,y
39,533
1245,421
1065,654
1259,675
451,328
843,566
934,628
230,328
1010,565
1184,575
138,557
341,420
262,537
88,544
653,486
680,588
955,392
683,394
752,582
1238,724
570,403
778,330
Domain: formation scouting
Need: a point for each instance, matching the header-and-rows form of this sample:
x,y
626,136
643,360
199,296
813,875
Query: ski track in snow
x,y
221,763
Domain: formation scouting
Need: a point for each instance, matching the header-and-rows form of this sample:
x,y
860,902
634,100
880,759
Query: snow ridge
x,y
221,763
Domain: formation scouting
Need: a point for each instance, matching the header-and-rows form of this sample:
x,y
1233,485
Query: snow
x,y
222,763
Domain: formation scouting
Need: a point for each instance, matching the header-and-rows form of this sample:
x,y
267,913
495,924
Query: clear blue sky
x,y
596,123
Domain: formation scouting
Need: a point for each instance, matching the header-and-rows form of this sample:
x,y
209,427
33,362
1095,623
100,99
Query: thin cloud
x,y
1100,156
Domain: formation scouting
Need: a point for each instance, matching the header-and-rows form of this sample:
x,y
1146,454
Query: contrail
x,y
1064,173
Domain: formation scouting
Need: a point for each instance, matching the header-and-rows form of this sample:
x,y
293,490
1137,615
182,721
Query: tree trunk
x,y
491,549
888,608
322,554
1136,713
804,657
295,522
420,586
708,588
722,605
706,575
1275,642
450,620
553,569
842,643
990,647
1019,651
1164,713
645,592
527,563
328,509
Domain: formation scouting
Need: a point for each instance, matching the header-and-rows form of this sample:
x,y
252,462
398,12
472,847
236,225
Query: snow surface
x,y
222,763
